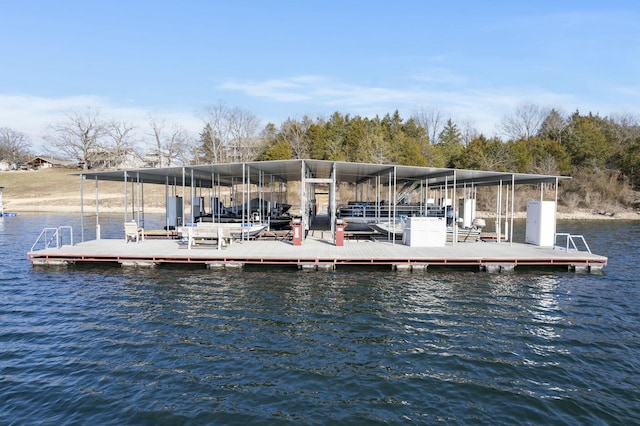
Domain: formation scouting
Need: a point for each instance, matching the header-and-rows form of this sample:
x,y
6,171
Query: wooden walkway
x,y
319,253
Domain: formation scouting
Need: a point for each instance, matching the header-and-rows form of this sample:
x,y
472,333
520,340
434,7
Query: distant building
x,y
109,158
154,159
47,162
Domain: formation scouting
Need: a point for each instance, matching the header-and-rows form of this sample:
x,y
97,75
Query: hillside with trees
x,y
602,154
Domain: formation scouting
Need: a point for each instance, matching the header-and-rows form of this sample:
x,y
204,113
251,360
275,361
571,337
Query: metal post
x,y
513,197
183,194
454,223
498,213
332,200
141,202
389,203
97,212
245,172
555,213
303,203
82,208
192,193
395,199
124,174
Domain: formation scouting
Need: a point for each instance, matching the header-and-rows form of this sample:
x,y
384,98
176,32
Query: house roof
x,y
51,160
210,175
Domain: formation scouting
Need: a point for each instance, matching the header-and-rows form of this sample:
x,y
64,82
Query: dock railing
x,y
570,242
54,237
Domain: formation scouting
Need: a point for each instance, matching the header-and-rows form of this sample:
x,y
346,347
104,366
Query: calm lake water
x,y
104,345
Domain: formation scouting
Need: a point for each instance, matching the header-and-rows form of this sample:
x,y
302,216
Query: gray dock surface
x,y
317,250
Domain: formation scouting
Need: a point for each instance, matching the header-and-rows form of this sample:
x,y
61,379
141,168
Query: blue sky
x,y
473,62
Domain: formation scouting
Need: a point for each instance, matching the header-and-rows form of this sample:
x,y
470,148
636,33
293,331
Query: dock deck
x,y
317,252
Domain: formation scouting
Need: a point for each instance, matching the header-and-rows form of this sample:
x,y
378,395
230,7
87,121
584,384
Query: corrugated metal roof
x,y
291,170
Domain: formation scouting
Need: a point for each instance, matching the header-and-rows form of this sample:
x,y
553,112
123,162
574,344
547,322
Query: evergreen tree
x,y
208,147
450,143
279,151
585,142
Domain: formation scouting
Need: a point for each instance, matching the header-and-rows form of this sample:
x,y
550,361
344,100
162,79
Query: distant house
x,y
47,162
108,158
153,159
4,165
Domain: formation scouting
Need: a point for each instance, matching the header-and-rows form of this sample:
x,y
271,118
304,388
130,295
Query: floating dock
x,y
317,195
317,253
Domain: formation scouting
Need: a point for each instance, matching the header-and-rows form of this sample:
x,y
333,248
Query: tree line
x,y
601,153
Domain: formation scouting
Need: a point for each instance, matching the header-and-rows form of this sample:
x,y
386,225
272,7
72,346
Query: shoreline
x,y
48,191
48,206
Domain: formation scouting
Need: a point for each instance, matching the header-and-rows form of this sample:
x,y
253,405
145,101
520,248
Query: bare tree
x,y
79,136
14,146
431,120
626,128
120,134
216,136
243,128
171,143
545,166
468,131
294,132
157,133
524,123
553,126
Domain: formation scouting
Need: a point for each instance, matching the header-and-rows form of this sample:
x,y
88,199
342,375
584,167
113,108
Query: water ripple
x,y
113,346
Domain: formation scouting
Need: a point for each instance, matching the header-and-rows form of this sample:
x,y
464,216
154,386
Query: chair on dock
x,y
133,231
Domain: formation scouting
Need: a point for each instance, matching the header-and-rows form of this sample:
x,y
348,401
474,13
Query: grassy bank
x,y
58,190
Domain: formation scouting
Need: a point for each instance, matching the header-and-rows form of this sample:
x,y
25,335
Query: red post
x,y
296,227
340,225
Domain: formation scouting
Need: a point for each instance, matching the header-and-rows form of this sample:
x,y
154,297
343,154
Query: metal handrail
x,y
51,236
570,242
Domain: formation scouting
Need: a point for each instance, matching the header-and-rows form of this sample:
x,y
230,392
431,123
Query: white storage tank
x,y
541,223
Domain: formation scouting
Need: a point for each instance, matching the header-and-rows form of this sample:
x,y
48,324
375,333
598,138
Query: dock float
x,y
316,254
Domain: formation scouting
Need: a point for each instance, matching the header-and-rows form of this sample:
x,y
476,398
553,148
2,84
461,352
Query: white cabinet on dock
x,y
425,232
197,207
174,212
541,223
467,211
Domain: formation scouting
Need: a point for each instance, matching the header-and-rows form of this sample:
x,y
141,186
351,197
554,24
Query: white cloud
x,y
32,115
485,107
297,95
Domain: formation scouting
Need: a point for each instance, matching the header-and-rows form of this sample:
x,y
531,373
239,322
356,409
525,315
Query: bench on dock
x,y
283,235
169,234
466,235
205,234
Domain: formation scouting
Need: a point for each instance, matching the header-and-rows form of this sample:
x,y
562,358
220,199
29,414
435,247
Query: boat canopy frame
x,y
310,172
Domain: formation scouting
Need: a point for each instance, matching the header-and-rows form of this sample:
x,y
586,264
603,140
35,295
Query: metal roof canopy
x,y
210,175
311,172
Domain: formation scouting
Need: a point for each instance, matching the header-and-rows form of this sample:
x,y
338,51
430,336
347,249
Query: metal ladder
x,y
570,242
53,237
